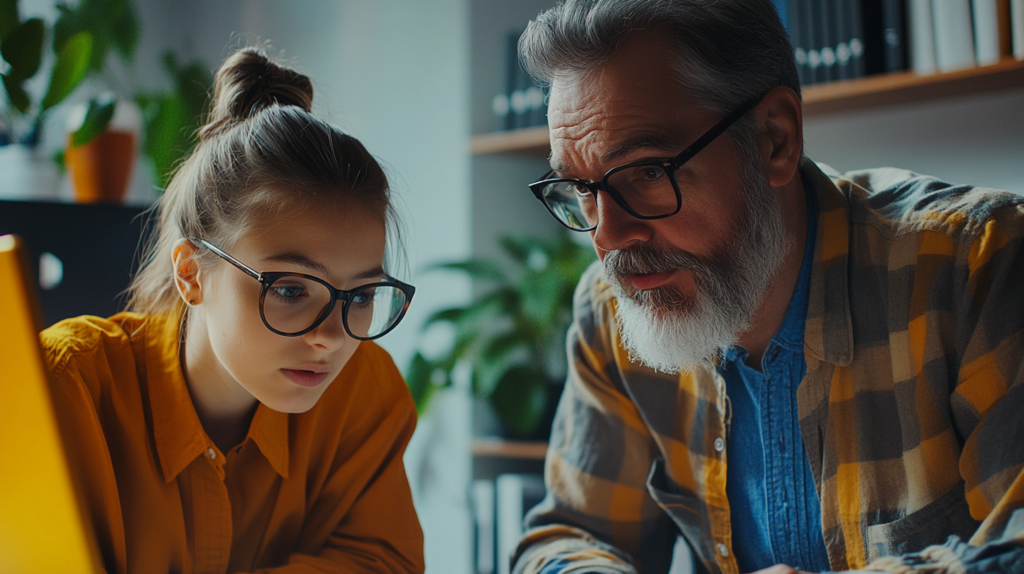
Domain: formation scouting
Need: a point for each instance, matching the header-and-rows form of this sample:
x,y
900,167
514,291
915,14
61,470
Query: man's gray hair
x,y
726,51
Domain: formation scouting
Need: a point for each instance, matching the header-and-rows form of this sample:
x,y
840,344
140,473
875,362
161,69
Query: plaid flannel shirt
x,y
912,409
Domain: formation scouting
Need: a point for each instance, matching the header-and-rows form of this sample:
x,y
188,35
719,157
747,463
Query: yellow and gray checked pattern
x,y
912,410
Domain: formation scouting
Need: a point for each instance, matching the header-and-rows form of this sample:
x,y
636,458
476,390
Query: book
x,y
849,48
954,41
986,31
884,32
798,37
922,36
827,25
1017,25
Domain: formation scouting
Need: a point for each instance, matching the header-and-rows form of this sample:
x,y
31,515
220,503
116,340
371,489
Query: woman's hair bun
x,y
250,81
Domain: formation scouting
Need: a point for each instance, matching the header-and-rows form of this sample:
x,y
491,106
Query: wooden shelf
x,y
509,449
823,99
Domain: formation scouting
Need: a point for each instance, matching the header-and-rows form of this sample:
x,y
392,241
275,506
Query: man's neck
x,y
771,312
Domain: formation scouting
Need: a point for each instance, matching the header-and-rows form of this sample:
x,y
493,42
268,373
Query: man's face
x,y
687,284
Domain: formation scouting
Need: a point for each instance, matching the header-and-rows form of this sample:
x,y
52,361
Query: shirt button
x,y
723,549
719,444
211,454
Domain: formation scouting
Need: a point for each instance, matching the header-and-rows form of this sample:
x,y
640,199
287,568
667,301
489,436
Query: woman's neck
x,y
224,407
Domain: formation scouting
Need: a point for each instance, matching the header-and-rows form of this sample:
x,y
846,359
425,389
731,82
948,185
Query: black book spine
x,y
894,33
511,79
813,39
827,25
856,43
797,39
874,41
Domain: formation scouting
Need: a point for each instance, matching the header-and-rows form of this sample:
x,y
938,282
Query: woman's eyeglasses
x,y
293,304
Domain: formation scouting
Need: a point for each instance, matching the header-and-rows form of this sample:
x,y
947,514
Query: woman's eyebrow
x,y
375,273
300,260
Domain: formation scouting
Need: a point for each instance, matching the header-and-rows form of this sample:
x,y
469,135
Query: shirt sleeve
x,y
597,515
987,405
380,532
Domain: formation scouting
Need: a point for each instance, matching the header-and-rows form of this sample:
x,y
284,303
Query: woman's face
x,y
228,345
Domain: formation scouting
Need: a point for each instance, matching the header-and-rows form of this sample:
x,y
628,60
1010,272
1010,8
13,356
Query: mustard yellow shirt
x,y
321,491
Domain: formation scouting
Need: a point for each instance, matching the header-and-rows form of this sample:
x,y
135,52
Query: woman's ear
x,y
186,271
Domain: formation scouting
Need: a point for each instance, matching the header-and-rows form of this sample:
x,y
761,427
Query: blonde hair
x,y
260,151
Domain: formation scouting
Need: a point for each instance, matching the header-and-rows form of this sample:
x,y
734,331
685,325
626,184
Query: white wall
x,y
976,140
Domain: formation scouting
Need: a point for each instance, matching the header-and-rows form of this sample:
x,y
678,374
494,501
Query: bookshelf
x,y
821,100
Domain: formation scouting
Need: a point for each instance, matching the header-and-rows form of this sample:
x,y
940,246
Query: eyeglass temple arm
x,y
714,132
241,266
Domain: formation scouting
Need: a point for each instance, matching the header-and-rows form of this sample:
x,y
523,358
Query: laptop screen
x,y
42,526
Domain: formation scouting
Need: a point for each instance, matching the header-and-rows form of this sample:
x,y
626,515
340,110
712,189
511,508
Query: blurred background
x,y
433,90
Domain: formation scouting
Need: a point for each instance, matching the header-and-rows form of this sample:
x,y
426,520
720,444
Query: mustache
x,y
645,259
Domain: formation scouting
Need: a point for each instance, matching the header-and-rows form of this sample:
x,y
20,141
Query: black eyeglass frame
x,y
267,279
669,165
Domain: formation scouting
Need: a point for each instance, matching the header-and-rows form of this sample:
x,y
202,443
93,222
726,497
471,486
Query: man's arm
x,y
597,513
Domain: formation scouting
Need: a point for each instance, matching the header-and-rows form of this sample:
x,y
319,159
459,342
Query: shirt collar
x,y
791,333
177,431
828,334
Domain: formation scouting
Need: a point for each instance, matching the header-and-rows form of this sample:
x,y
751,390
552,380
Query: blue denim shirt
x,y
775,513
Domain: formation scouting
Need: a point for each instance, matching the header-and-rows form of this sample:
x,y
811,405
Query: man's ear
x,y
186,271
782,139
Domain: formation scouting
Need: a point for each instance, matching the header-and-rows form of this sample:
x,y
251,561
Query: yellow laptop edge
x,y
43,528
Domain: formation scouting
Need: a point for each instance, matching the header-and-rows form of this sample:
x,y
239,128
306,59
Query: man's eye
x,y
580,189
649,173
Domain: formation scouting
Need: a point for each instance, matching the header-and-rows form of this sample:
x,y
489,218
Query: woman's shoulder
x,y
87,338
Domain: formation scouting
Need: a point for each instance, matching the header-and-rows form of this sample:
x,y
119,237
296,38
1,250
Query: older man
x,y
789,367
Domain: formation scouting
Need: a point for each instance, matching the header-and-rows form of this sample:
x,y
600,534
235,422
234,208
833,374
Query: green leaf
x,y
520,398
126,30
520,248
59,161
97,118
69,70
22,48
16,94
165,145
9,17
420,380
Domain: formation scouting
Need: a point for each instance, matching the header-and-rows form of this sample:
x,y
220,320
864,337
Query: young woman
x,y
239,418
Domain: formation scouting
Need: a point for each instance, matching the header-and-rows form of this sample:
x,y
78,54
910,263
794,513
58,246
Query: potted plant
x,y
81,38
172,118
513,335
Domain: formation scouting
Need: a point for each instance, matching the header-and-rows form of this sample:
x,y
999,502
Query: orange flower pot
x,y
101,169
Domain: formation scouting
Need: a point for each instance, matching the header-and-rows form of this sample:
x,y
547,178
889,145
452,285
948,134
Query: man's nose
x,y
616,227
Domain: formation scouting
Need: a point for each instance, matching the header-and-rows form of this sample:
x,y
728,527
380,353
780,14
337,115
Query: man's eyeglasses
x,y
646,189
293,304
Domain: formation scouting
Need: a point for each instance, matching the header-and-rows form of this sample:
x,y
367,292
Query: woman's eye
x,y
362,298
289,292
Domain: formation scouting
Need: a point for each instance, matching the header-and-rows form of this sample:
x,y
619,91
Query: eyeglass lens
x,y
646,189
294,304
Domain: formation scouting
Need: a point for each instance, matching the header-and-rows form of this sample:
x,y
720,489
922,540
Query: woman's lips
x,y
643,282
305,378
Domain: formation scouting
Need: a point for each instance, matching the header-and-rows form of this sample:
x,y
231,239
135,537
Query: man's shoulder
x,y
897,202
592,301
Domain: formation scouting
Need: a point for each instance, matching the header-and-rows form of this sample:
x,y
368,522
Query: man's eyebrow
x,y
300,260
623,149
642,141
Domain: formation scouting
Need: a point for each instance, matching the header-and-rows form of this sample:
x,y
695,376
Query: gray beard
x,y
669,331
